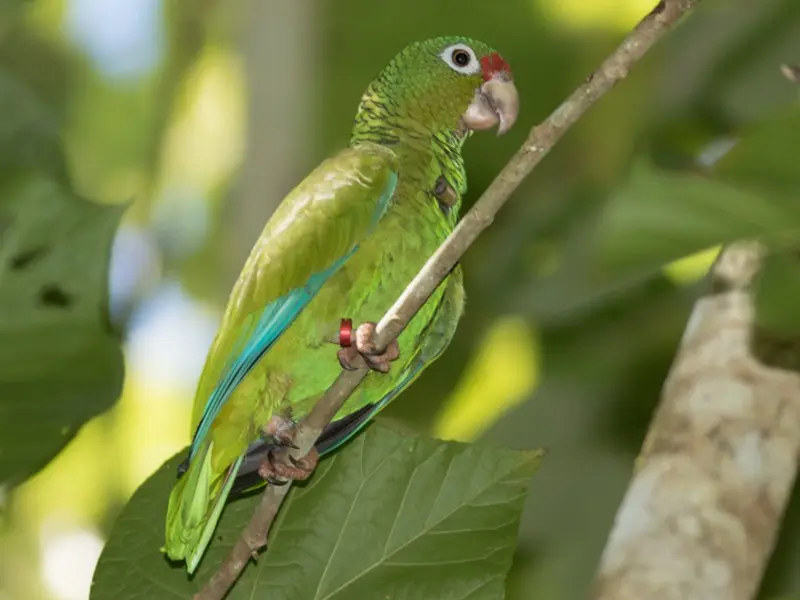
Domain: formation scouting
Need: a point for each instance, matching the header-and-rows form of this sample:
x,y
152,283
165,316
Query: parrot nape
x,y
340,249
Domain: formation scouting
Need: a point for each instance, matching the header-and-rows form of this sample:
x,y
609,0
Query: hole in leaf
x,y
54,296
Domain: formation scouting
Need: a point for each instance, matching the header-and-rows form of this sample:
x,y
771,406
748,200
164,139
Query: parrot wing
x,y
432,342
317,227
311,235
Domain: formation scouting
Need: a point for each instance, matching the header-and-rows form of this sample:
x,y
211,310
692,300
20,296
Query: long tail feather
x,y
195,506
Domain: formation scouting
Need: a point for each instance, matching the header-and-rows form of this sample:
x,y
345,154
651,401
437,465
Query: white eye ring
x,y
471,67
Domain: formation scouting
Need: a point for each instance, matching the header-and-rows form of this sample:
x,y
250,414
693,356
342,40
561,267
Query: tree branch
x,y
539,142
701,514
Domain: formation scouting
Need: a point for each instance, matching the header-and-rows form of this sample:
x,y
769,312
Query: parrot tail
x,y
195,506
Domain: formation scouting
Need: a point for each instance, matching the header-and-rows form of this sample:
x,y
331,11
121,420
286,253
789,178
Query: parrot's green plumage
x,y
343,244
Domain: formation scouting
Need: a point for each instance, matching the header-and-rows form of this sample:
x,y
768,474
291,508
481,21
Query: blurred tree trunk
x,y
703,509
279,45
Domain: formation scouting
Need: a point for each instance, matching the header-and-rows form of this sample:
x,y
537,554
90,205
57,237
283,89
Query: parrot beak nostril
x,y
496,102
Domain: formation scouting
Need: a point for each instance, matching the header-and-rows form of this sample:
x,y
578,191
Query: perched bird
x,y
338,251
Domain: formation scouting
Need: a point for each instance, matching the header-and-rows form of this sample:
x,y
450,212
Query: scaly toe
x,y
378,363
383,362
307,464
393,350
281,431
277,471
292,472
365,336
268,472
350,359
366,354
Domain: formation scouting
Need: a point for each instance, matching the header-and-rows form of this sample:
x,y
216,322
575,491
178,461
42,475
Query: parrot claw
x,y
280,431
278,469
366,354
278,472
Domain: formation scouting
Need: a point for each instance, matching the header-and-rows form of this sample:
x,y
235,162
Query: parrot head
x,y
452,83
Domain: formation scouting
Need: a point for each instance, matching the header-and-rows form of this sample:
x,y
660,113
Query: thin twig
x,y
540,141
703,509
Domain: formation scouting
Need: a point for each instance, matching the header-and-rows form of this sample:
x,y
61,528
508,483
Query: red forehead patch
x,y
493,63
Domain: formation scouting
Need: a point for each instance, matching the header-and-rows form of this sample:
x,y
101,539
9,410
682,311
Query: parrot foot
x,y
277,468
278,472
366,354
280,431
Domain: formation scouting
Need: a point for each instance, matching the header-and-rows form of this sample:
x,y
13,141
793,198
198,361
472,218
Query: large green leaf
x,y
658,216
389,516
60,364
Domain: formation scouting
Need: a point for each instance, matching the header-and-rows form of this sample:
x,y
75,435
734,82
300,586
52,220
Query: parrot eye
x,y
461,58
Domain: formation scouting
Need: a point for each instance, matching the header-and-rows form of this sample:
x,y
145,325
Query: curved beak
x,y
496,102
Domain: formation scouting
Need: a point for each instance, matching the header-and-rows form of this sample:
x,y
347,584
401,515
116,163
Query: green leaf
x,y
658,216
766,158
388,516
60,364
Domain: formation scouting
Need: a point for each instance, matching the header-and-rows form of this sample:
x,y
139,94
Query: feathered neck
x,y
390,123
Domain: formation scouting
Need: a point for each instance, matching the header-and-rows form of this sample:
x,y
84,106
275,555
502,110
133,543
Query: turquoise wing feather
x,y
274,320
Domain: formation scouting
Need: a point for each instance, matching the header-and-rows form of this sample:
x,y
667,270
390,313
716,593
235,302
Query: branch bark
x,y
703,509
538,144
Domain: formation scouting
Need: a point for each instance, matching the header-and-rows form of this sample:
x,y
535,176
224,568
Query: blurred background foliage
x,y
205,113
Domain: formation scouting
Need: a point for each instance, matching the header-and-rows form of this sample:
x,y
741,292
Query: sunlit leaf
x,y
389,516
505,367
693,267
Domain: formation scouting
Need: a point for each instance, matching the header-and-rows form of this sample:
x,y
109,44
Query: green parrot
x,y
340,249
